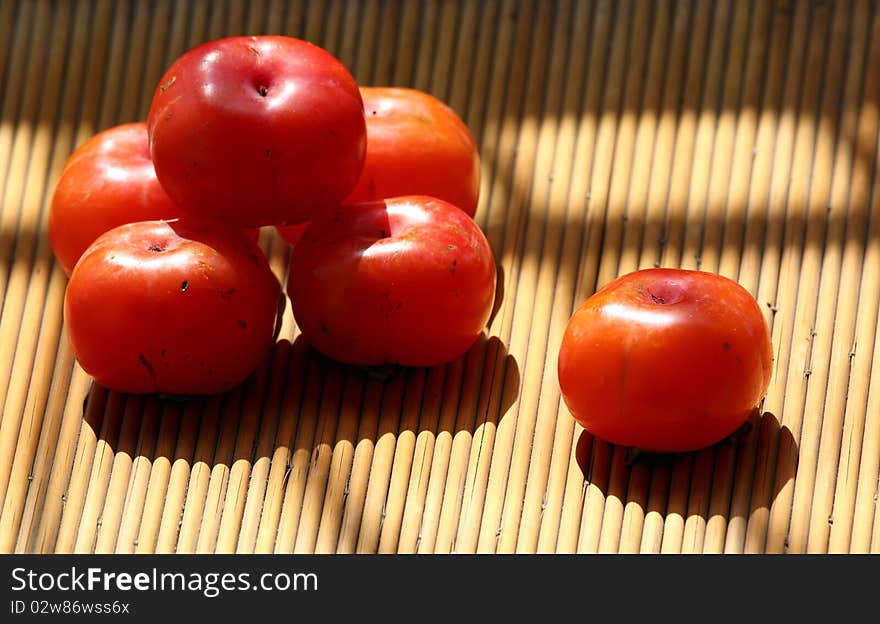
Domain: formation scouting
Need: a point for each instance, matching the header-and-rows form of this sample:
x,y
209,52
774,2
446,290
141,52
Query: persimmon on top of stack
x,y
245,132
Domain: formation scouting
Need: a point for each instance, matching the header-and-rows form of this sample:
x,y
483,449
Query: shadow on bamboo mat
x,y
298,420
665,480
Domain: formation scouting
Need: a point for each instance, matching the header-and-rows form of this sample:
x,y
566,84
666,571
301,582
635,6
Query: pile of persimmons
x,y
375,189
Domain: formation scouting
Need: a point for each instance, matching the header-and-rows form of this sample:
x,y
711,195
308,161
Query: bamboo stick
x,y
116,487
422,456
236,17
443,444
216,20
20,312
355,497
615,493
689,195
495,144
243,452
291,396
341,464
160,472
263,447
573,281
865,372
632,523
363,32
135,497
13,98
73,498
429,51
356,23
730,120
175,497
141,80
779,270
697,508
597,470
677,504
53,461
782,529
255,16
658,493
401,463
378,69
762,81
7,13
327,417
866,533
499,454
485,95
48,496
289,19
835,318
178,30
31,378
34,483
199,477
212,486
20,104
564,201
376,490
297,461
566,540
543,268
455,30
655,136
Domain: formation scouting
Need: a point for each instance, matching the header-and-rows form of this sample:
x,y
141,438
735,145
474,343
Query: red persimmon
x,y
108,181
179,307
255,131
407,281
665,360
416,145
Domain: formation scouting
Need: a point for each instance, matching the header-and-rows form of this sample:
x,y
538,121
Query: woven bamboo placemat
x,y
734,136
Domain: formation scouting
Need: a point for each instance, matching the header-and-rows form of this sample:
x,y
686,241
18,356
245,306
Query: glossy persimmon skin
x,y
665,360
254,131
416,145
108,181
182,307
405,281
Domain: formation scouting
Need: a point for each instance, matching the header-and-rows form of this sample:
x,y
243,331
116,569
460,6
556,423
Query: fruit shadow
x,y
727,485
303,434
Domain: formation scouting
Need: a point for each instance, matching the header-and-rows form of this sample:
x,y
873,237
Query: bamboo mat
x,y
734,136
